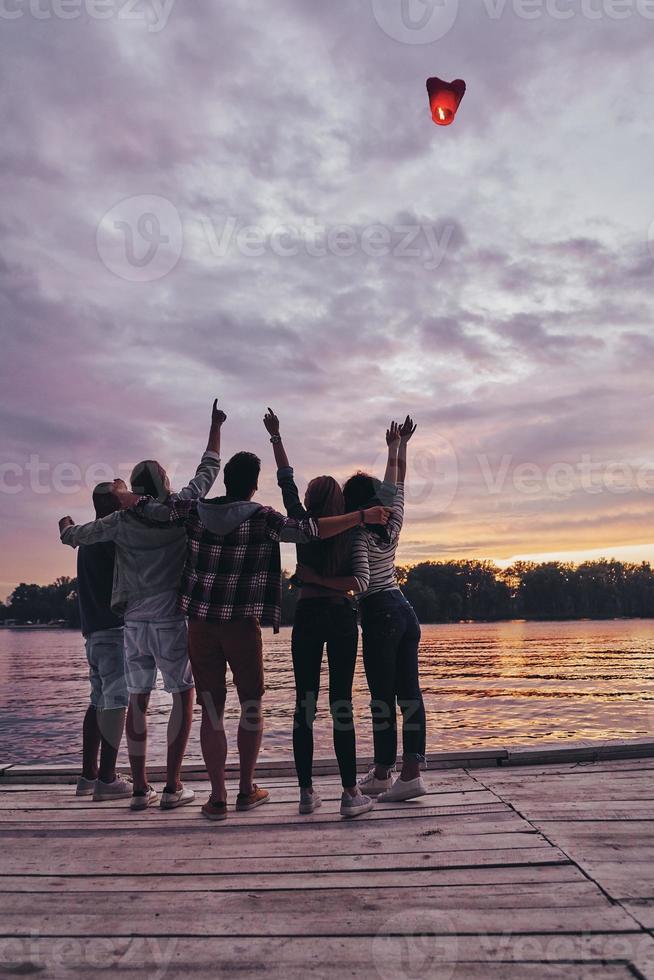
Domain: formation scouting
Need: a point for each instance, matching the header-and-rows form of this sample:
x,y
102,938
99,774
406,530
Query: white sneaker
x,y
143,800
309,801
85,787
120,789
354,806
371,786
170,801
404,790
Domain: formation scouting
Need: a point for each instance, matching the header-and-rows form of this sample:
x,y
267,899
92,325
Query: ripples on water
x,y
484,685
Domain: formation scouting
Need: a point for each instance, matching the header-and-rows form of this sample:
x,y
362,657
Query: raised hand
x,y
66,522
218,417
271,422
407,429
393,435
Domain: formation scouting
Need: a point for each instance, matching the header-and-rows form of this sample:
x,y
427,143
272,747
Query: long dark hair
x,y
359,493
324,498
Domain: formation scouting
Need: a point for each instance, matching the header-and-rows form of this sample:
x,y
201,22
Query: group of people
x,y
177,583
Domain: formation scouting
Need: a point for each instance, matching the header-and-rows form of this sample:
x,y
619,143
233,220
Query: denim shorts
x,y
106,656
157,645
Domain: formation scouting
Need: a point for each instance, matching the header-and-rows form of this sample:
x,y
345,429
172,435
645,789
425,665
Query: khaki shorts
x,y
212,646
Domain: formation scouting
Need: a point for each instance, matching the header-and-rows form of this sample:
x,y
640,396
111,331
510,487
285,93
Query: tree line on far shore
x,y
455,591
440,592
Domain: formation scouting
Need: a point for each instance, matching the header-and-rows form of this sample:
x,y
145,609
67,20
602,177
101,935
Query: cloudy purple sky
x,y
251,200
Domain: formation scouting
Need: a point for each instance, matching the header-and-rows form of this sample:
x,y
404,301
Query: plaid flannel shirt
x,y
235,575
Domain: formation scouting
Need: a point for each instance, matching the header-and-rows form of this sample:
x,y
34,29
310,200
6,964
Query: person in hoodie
x,y
104,721
147,573
231,587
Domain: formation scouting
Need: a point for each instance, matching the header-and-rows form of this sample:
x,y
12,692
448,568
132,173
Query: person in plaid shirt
x,y
231,586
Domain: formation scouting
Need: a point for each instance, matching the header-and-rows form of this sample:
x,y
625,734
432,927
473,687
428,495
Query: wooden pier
x,y
504,872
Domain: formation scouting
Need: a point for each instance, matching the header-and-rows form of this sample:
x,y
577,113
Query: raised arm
x,y
104,529
207,471
406,431
271,423
285,479
393,443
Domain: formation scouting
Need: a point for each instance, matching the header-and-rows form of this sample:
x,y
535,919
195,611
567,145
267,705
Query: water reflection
x,y
484,684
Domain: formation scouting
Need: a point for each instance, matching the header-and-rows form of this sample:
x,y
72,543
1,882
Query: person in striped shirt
x,y
391,632
391,635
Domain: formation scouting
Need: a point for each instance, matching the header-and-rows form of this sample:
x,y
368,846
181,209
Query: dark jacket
x,y
95,577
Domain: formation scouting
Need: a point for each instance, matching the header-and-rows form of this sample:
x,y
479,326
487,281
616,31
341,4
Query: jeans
x,y
334,622
391,637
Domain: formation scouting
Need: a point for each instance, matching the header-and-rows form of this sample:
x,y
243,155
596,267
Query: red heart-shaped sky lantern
x,y
444,99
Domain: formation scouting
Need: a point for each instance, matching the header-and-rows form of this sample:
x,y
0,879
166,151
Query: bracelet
x,y
275,440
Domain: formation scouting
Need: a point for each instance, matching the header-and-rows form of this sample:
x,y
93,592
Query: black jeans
x,y
334,622
391,637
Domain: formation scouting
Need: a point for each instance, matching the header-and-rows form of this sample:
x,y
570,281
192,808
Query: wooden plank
x,y
270,818
191,859
60,797
296,838
537,883
581,751
385,957
643,912
591,810
331,912
597,836
329,843
223,847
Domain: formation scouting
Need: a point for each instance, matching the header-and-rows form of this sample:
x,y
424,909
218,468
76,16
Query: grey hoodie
x,y
149,557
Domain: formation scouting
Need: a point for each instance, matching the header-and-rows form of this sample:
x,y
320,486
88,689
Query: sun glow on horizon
x,y
628,553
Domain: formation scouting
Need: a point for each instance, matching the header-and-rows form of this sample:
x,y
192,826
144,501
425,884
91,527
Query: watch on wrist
x,y
275,440
362,517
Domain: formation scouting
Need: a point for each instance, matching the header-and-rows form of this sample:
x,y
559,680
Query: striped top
x,y
379,556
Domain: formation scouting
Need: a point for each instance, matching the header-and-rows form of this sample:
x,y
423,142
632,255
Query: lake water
x,y
484,685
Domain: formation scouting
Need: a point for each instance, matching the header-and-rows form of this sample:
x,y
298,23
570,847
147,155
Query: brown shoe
x,y
214,811
248,801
